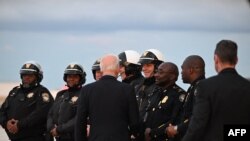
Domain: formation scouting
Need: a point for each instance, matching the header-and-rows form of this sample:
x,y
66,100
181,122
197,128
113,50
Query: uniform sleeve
x,y
50,123
39,115
81,117
4,106
182,127
133,113
50,120
160,130
200,117
66,127
3,116
176,110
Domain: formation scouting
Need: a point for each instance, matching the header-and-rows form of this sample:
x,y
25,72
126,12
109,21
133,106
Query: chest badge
x,y
74,99
164,100
195,92
181,97
30,95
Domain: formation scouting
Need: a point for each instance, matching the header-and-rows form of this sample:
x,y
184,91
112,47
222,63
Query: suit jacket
x,y
112,110
222,99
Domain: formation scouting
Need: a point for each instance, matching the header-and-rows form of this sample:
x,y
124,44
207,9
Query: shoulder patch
x,y
45,97
182,97
14,91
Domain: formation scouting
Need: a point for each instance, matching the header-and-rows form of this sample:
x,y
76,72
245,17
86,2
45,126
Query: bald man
x,y
193,70
110,105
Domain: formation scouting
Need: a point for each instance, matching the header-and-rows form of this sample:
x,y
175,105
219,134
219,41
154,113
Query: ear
x,y
191,70
236,60
216,59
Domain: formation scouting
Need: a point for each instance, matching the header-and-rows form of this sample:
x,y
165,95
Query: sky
x,y
58,32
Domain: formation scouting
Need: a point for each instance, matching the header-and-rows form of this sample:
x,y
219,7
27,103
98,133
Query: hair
x,y
172,68
196,63
112,64
226,50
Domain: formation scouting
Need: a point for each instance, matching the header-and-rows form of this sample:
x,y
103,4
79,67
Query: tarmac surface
x,y
3,135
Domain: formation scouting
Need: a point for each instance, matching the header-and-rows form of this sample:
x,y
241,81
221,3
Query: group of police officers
x,y
30,113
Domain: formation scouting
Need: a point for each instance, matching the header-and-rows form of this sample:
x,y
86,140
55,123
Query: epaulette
x,y
60,93
14,91
182,92
179,89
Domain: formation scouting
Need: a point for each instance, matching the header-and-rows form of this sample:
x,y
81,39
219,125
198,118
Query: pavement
x,y
3,135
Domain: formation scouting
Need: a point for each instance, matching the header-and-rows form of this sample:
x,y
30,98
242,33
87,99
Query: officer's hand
x,y
88,130
15,128
147,134
9,125
171,131
54,132
12,126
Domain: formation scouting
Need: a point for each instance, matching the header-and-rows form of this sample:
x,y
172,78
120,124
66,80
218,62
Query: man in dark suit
x,y
220,100
110,105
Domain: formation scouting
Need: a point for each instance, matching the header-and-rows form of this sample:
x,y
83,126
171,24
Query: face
x,y
73,80
162,76
185,73
122,72
148,70
28,79
98,74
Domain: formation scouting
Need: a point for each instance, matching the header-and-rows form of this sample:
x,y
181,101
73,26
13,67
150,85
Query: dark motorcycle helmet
x,y
75,68
32,67
153,56
95,67
129,59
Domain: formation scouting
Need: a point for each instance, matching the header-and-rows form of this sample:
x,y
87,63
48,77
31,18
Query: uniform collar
x,y
197,80
149,81
131,78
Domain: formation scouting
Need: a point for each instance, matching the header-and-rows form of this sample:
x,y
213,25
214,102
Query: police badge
x,y
30,95
195,92
74,99
164,100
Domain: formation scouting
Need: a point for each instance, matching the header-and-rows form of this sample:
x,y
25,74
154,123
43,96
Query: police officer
x,y
24,112
193,70
150,60
97,74
61,116
130,69
165,103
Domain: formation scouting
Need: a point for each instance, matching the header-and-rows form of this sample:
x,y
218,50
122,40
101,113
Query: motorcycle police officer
x,y
96,71
61,117
130,69
150,60
24,112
